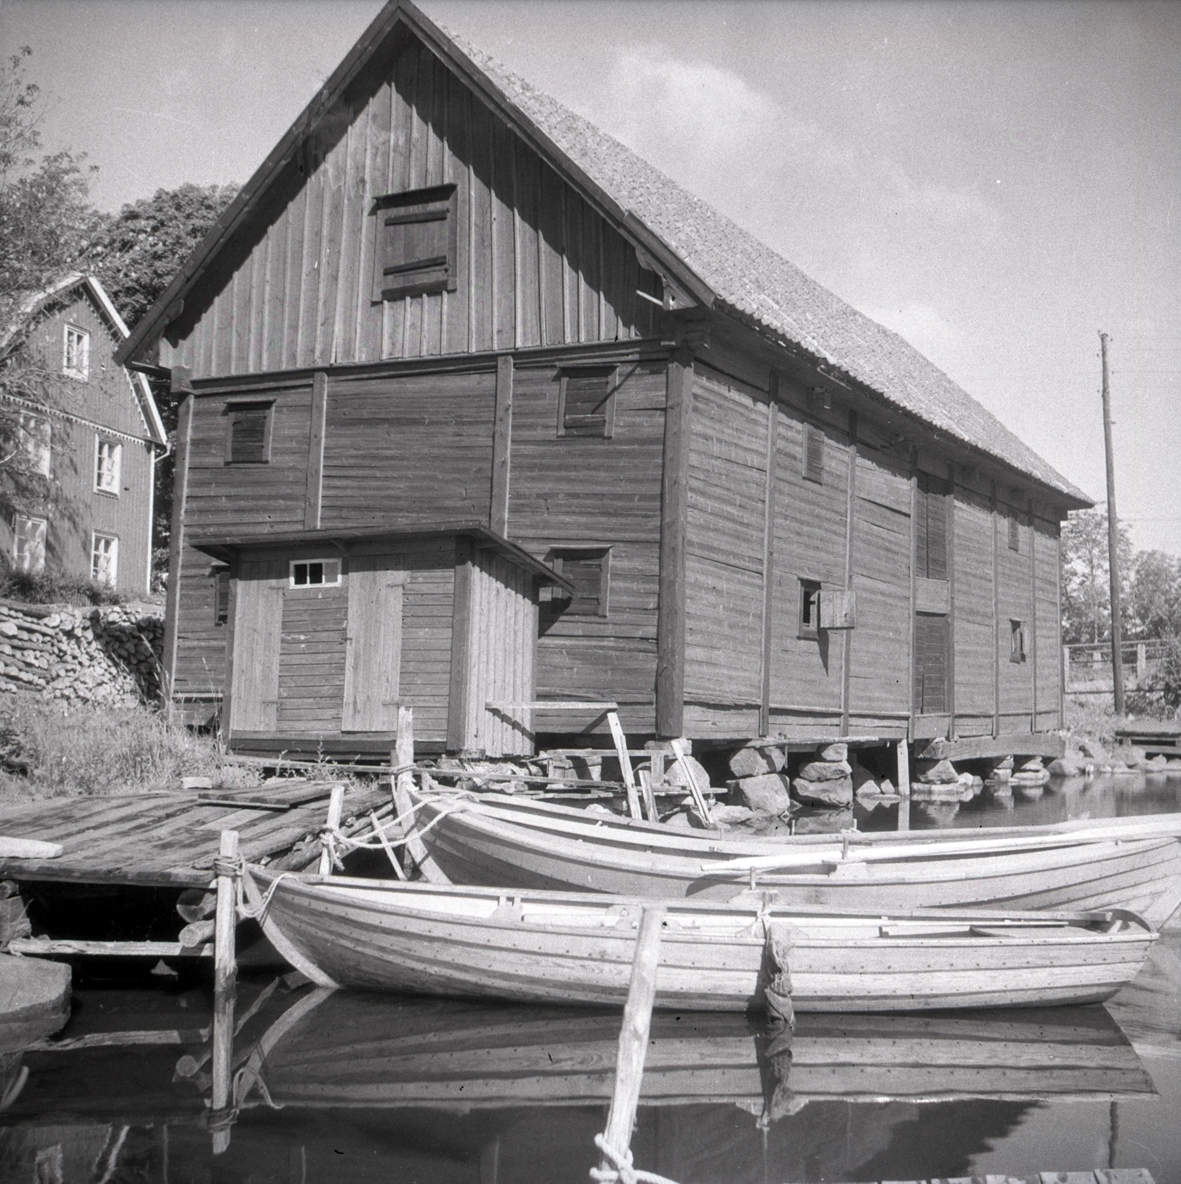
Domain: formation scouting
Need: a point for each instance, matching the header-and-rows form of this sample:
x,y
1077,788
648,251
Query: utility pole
x,y
1117,668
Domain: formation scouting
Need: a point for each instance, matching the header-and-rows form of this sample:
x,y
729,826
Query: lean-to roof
x,y
716,260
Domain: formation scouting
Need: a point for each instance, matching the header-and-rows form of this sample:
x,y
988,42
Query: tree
x,y
1154,601
1086,584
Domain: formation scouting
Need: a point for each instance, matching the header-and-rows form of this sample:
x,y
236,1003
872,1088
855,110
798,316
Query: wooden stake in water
x,y
903,785
633,1036
335,809
225,973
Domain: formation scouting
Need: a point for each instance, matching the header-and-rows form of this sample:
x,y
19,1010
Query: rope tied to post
x,y
229,865
623,1171
221,1118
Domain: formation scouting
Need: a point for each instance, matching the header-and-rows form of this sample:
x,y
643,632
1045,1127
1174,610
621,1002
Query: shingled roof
x,y
724,265
759,286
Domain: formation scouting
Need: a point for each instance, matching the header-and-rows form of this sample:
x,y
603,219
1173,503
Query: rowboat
x,y
566,947
494,839
351,1050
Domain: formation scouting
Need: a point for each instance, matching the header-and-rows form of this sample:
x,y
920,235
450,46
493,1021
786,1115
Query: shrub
x,y
53,587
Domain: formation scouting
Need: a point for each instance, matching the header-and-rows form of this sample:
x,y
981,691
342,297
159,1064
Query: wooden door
x,y
930,663
254,679
373,646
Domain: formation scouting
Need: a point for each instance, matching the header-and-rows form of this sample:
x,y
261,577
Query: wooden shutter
x,y
258,623
930,663
587,571
373,647
248,433
587,402
931,527
813,454
415,243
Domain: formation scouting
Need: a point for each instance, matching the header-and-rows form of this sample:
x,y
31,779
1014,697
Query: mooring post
x,y
335,809
225,973
633,1039
903,785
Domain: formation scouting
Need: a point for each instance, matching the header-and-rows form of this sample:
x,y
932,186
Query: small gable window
x,y
415,250
108,466
248,433
809,615
314,573
104,559
813,456
588,571
586,402
1016,641
76,353
28,544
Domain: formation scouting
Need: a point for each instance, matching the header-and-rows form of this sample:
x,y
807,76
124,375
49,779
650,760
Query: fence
x,y
1087,668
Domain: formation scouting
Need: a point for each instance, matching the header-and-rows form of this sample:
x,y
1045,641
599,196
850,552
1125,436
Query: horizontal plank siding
x,y
311,661
973,632
1014,603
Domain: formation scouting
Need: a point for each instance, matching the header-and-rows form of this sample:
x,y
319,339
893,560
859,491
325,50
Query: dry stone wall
x,y
109,654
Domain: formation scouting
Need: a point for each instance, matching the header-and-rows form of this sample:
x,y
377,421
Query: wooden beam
x,y
502,445
180,485
1032,617
996,621
949,531
769,554
312,498
625,764
70,947
1061,650
335,809
459,697
911,705
1043,744
670,617
850,513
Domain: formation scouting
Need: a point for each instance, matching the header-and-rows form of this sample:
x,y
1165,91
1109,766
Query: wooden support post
x,y
335,807
768,650
698,794
625,764
648,796
401,783
225,972
633,1036
903,785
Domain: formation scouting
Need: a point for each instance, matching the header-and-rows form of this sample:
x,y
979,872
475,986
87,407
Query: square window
x,y
1016,641
586,402
104,559
589,572
809,616
813,455
36,435
415,249
28,544
108,466
76,353
314,573
248,432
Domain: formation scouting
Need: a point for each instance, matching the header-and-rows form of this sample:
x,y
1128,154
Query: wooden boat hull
x,y
532,845
355,1050
562,947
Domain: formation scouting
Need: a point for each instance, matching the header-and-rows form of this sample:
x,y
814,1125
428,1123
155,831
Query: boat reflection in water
x,y
335,1086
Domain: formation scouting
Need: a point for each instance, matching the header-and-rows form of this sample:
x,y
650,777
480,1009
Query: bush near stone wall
x,y
110,654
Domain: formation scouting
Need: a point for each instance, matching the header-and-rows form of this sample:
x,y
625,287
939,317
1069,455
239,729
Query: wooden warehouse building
x,y
447,308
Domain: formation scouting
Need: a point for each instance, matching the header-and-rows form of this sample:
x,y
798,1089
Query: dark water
x,y
332,1087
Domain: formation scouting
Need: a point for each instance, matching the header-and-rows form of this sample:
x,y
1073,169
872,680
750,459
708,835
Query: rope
x,y
245,911
228,865
337,840
220,1119
623,1172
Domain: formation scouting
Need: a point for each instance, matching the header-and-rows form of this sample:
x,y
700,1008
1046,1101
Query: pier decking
x,y
170,839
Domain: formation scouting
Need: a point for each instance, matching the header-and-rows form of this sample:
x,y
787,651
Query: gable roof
x,y
58,291
715,262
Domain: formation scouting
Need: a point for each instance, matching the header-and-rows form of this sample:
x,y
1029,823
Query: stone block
x,y
939,773
826,771
829,793
673,774
765,794
1093,750
834,752
1065,767
754,762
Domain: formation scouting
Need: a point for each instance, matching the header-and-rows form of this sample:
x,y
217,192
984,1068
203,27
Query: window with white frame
x,y
35,437
108,465
76,353
28,544
104,559
314,573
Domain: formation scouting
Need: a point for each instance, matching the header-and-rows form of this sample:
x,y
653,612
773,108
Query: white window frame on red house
x,y
76,352
28,544
108,465
104,558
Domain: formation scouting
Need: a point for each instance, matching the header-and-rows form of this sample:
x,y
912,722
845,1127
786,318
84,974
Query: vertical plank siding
x,y
1013,587
973,636
1049,649
535,264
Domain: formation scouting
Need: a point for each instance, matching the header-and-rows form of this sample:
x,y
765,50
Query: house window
x,y
28,544
248,433
104,559
415,243
108,465
813,457
1016,641
36,435
1014,532
589,572
314,573
930,527
76,353
586,402
809,616
221,596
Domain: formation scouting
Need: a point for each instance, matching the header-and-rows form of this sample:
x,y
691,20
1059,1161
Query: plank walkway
x,y
1100,1176
170,839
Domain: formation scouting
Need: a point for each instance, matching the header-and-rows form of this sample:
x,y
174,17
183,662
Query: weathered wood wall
x,y
536,265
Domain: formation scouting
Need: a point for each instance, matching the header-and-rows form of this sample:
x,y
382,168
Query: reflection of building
x,y
90,433
443,299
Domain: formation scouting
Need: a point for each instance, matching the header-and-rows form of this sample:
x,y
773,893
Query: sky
x,y
996,180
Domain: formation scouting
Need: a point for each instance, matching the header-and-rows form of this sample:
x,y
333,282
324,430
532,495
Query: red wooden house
x,y
92,435
447,308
